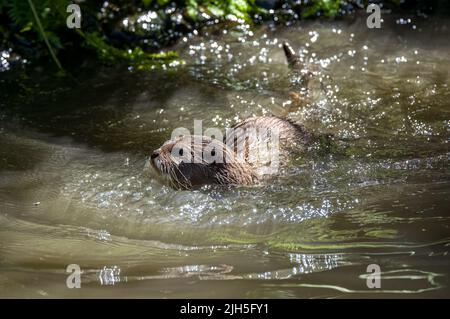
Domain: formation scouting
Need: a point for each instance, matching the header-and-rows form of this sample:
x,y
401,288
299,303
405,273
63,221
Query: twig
x,y
30,2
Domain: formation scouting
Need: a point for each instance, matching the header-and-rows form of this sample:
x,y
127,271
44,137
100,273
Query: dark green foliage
x,y
241,9
23,28
51,13
328,8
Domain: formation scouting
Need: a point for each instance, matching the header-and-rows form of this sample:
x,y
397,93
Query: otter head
x,y
192,161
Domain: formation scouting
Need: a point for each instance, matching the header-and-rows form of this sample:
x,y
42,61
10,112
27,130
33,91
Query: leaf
x,y
27,27
215,10
192,9
162,3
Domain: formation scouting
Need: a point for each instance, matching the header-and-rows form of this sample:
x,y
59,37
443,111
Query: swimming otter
x,y
250,150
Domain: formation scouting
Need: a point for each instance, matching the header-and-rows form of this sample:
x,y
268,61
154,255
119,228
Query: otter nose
x,y
154,155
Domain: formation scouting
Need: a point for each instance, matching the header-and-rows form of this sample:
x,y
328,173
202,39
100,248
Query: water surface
x,y
73,190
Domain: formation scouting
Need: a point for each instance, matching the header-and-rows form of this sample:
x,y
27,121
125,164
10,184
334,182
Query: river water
x,y
73,189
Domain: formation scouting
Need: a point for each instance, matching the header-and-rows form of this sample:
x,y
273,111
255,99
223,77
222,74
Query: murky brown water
x,y
72,188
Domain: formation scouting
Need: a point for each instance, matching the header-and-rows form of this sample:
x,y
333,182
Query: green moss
x,y
327,8
240,9
136,57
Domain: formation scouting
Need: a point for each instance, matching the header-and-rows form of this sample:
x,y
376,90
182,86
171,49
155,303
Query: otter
x,y
250,151
245,156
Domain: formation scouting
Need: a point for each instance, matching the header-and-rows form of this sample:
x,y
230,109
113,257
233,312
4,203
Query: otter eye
x,y
180,152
